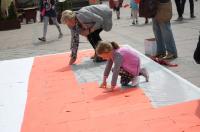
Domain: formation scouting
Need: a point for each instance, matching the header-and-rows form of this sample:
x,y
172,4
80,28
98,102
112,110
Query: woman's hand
x,y
72,60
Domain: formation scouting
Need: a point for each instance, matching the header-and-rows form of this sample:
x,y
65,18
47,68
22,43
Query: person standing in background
x,y
180,5
142,12
191,8
134,11
116,5
166,48
48,11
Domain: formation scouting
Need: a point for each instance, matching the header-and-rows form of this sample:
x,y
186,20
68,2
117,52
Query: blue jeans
x,y
164,37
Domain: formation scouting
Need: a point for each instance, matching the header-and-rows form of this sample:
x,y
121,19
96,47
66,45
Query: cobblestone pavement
x,y
23,42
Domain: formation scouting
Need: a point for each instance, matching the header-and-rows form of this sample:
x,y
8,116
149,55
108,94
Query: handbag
x,y
43,12
164,12
137,1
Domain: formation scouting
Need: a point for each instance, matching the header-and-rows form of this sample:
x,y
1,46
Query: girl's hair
x,y
67,14
105,47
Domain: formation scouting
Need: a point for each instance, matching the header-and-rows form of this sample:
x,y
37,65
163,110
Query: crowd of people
x,y
91,20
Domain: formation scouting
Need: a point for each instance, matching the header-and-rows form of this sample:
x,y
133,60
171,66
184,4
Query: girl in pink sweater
x,y
126,64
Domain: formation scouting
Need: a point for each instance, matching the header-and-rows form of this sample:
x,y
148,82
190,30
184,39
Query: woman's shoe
x,y
161,55
192,16
170,56
98,59
42,39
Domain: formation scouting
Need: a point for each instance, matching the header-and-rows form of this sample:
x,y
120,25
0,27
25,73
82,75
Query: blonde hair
x,y
106,47
67,14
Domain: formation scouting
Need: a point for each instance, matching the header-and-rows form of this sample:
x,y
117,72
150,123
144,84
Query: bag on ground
x,y
150,46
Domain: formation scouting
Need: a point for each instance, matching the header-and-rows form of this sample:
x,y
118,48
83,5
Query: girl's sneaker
x,y
135,81
144,73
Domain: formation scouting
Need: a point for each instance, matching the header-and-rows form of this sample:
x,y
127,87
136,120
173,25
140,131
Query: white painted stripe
x,y
14,77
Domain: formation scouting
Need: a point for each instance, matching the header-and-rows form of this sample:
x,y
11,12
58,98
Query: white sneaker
x,y
144,73
135,81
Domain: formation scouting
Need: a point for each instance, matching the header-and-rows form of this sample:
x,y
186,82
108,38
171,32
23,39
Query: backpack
x,y
196,55
148,8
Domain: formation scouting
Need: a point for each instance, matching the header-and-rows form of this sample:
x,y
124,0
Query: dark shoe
x,y
179,19
192,16
136,21
133,23
60,35
98,59
42,39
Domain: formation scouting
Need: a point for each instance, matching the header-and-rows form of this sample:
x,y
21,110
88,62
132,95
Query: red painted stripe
x,y
57,103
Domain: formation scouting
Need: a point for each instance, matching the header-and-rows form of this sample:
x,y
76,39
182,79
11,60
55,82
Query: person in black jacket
x,y
196,55
180,5
191,8
48,11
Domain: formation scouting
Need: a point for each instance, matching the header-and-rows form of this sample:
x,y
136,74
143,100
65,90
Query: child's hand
x,y
103,85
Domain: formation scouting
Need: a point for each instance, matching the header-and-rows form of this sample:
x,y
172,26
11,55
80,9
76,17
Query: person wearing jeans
x,y
116,5
166,47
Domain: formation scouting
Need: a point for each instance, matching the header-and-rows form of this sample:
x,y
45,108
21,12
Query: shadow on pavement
x,y
38,43
87,64
117,91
